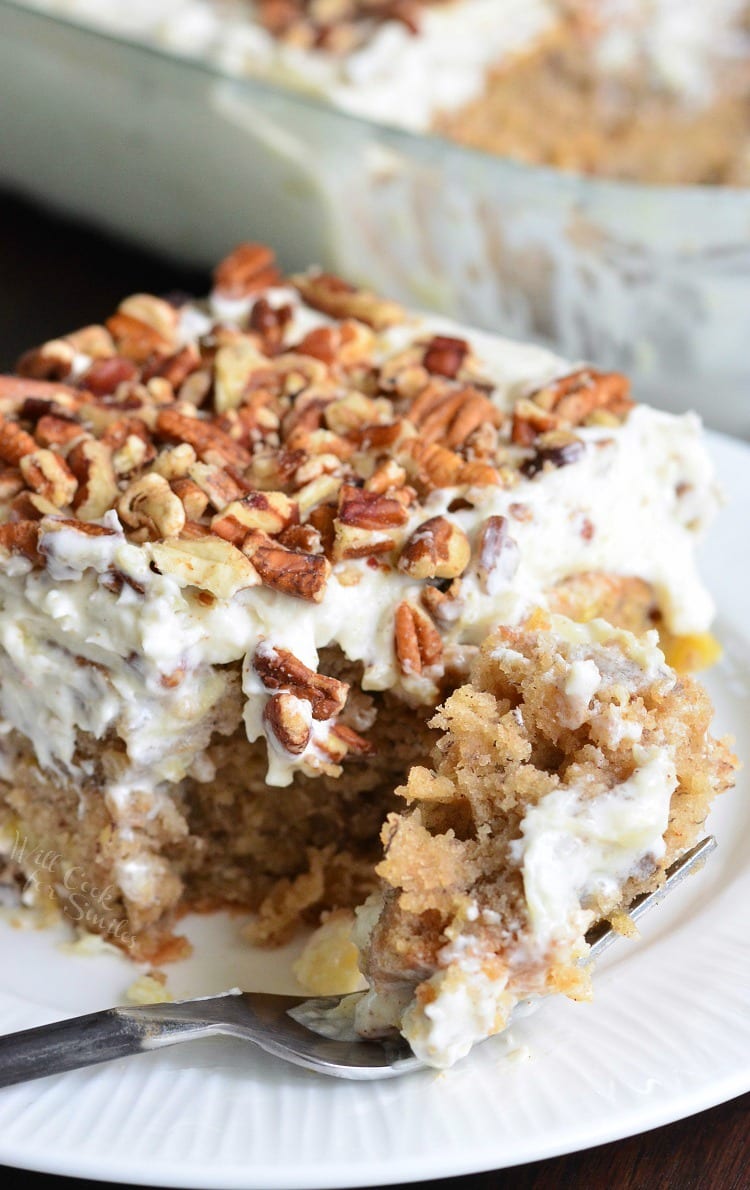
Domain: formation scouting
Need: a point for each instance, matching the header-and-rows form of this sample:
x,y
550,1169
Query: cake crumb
x,y
149,988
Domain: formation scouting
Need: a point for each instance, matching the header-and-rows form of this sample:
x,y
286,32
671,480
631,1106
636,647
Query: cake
x,y
655,90
571,770
250,544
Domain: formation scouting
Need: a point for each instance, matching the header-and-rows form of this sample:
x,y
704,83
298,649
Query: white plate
x,y
668,1032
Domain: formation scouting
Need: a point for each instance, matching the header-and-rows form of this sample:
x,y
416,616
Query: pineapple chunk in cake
x,y
572,770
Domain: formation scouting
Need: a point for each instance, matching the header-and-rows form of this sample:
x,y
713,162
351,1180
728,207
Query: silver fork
x,y
252,1016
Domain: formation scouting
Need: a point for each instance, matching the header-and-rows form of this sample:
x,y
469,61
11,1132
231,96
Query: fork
x,y
258,1017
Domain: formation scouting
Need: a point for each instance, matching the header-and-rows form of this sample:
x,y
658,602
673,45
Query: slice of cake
x,y
571,771
249,545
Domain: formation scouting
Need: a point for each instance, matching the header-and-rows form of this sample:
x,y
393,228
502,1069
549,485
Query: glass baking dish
x,y
187,160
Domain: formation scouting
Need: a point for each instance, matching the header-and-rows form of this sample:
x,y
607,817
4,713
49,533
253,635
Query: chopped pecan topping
x,y
352,740
498,553
301,575
149,503
571,401
136,340
194,499
248,269
50,476
436,467
278,669
557,448
444,356
418,643
220,487
30,506
210,444
285,716
51,361
450,416
369,510
339,299
14,442
268,512
11,483
205,562
91,463
21,537
57,431
270,322
438,549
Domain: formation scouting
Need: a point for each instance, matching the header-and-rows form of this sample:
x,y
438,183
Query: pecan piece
x,y
437,467
136,340
444,355
106,375
352,740
49,475
418,643
220,487
52,361
268,512
557,448
279,669
210,443
339,299
571,401
194,499
234,366
30,506
91,463
14,442
443,414
11,483
288,717
21,537
437,549
270,323
248,268
369,510
205,562
499,555
150,504
302,575
52,430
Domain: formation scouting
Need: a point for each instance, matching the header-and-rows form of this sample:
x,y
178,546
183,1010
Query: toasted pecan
x,y
418,643
279,669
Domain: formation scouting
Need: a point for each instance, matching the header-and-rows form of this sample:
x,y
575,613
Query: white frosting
x,y
574,846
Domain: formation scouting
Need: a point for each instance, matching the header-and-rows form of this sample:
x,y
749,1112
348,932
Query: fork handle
x,y
98,1037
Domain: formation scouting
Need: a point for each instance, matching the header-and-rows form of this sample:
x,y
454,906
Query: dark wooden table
x,y
54,277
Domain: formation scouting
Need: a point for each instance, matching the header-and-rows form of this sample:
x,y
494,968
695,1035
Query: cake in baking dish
x,y
653,90
250,544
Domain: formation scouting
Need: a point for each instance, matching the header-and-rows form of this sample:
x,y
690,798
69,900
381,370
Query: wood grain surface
x,y
55,276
